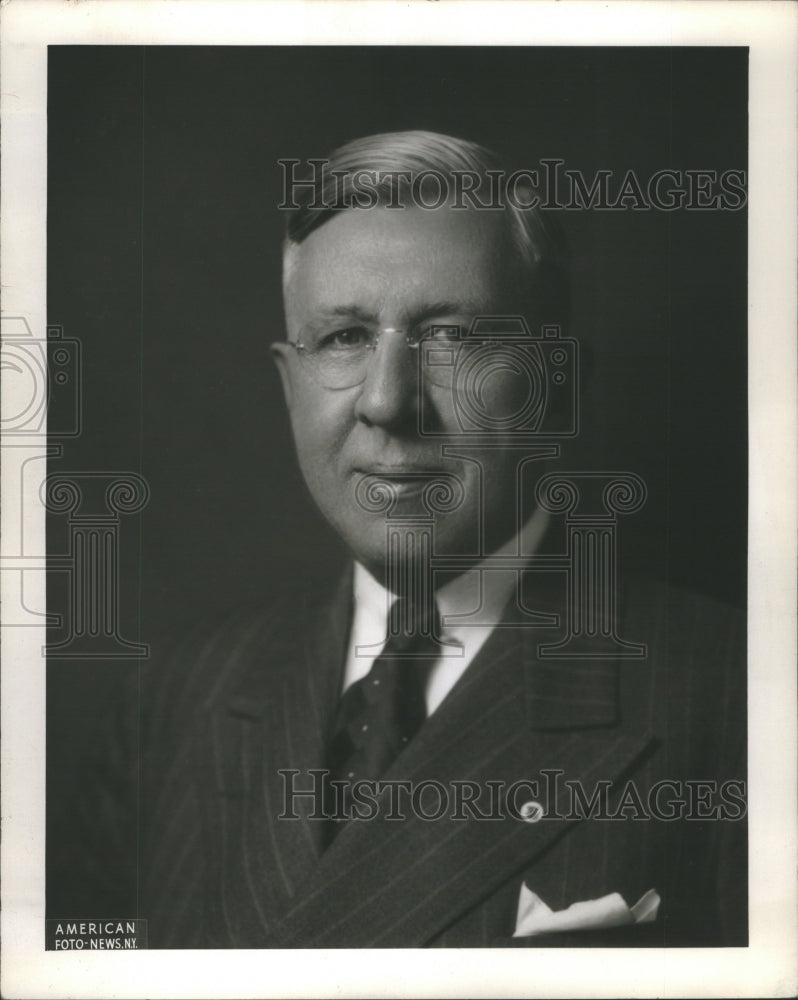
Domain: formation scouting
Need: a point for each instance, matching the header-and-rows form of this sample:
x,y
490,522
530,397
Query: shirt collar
x,y
373,601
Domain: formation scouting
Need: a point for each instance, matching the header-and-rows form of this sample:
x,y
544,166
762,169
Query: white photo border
x,y
768,965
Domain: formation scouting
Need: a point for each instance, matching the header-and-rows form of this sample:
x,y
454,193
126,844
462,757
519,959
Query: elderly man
x,y
396,760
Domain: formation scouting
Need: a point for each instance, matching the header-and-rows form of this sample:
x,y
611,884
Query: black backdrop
x,y
163,260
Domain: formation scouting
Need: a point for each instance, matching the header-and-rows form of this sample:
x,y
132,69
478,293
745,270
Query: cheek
x,y
320,423
499,476
494,393
506,395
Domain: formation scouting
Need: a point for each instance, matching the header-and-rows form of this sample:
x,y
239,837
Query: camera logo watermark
x,y
541,371
42,409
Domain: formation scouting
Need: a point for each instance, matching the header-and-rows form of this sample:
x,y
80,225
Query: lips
x,y
404,480
389,471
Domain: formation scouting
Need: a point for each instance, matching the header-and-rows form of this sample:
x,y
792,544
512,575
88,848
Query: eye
x,y
346,338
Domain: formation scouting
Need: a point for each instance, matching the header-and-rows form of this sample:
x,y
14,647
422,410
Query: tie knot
x,y
413,622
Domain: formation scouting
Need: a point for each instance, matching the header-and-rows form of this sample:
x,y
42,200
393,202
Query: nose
x,y
389,394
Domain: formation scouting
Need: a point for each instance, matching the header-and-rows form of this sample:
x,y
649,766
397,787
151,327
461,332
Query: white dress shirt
x,y
456,599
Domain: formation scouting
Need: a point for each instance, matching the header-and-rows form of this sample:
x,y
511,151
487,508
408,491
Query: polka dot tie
x,y
379,714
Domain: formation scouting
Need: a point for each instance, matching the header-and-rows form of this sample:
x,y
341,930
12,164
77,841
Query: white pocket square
x,y
534,917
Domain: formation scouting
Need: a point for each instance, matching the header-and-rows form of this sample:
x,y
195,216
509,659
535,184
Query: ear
x,y
280,354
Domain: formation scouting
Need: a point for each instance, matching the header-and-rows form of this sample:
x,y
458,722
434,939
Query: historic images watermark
x,y
550,186
552,797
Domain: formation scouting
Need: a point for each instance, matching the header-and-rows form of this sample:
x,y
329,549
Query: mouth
x,y
389,471
404,480
402,473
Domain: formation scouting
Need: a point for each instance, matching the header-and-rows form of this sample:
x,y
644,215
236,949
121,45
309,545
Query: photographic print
x,y
389,422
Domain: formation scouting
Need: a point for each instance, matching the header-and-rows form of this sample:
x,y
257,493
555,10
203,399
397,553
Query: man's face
x,y
397,272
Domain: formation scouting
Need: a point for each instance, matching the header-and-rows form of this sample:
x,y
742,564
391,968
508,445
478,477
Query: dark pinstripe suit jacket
x,y
209,730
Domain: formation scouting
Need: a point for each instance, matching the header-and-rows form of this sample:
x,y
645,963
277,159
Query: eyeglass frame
x,y
413,341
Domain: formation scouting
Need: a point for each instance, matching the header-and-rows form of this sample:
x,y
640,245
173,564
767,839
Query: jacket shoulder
x,y
692,683
195,667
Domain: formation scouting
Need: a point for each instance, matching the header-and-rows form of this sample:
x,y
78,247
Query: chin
x,y
368,544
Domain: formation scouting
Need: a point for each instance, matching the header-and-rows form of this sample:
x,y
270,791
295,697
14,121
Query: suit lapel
x,y
271,724
389,883
383,882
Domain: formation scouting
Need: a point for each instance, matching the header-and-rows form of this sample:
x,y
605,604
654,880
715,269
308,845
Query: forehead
x,y
390,262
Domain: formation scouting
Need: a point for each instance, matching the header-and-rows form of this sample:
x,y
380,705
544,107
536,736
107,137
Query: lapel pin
x,y
531,812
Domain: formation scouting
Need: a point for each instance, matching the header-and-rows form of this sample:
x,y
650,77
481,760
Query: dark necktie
x,y
379,714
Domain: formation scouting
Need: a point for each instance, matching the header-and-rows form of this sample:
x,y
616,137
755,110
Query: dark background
x,y
163,260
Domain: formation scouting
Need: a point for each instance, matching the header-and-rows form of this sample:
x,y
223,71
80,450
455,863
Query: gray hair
x,y
394,159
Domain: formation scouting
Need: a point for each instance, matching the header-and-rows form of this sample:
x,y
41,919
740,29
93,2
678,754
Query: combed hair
x,y
536,237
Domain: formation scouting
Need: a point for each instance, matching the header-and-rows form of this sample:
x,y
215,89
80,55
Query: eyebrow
x,y
427,310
